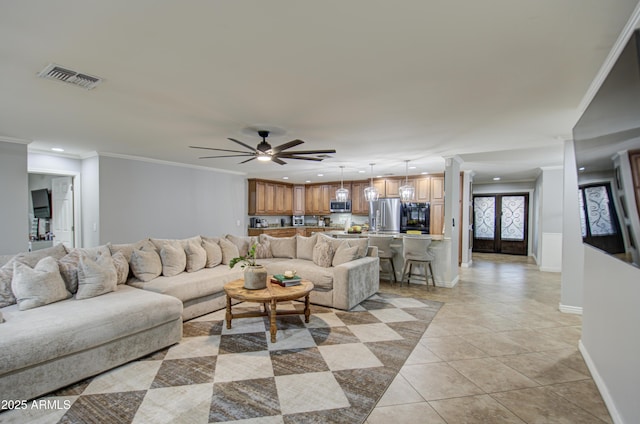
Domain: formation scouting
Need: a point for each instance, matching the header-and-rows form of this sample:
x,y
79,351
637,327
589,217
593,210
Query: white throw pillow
x,y
196,256
229,251
214,253
344,253
173,258
145,264
96,277
38,286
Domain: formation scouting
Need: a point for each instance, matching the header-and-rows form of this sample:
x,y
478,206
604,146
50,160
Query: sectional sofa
x,y
69,315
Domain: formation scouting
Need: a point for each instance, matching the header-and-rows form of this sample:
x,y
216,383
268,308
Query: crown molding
x,y
14,140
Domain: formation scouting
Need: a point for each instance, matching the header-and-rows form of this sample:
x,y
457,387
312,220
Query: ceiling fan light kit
x,y
342,194
264,152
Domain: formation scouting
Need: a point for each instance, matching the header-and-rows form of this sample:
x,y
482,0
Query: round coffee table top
x,y
236,290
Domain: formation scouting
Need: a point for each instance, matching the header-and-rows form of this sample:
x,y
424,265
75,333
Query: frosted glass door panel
x,y
513,218
485,217
598,211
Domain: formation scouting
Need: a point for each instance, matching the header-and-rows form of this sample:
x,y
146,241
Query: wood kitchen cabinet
x,y
380,186
273,232
392,187
298,200
437,188
359,206
317,199
269,198
423,189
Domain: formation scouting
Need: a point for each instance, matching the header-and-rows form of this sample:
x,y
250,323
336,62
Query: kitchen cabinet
x,y
317,199
359,206
379,184
437,189
298,200
391,187
436,223
273,232
269,198
423,189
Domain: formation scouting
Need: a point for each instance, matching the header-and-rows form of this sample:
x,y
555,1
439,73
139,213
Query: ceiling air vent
x,y
55,72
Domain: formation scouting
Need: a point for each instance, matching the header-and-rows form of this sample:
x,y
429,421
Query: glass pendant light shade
x,y
371,193
342,194
407,192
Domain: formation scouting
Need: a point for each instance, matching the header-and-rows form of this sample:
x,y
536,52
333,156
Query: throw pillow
x,y
242,243
1,319
323,254
281,247
362,244
96,277
122,267
344,253
263,250
6,275
69,264
32,258
229,251
304,247
145,264
128,248
214,253
38,286
173,258
196,256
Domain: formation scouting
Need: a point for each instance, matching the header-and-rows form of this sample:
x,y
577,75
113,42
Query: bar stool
x,y
415,251
383,243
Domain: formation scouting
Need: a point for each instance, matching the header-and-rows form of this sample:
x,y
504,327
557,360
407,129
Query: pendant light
x,y
406,191
371,193
342,194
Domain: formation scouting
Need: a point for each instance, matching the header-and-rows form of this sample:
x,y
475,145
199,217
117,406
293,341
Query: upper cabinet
x,y
298,200
317,198
270,198
359,206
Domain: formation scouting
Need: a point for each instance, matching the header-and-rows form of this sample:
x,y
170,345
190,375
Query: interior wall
x,y
90,205
550,219
572,250
140,199
609,331
14,190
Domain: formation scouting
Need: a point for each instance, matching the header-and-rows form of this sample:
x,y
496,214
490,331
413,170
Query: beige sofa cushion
x,y
214,252
281,247
362,244
38,286
122,267
69,264
32,258
323,254
173,259
263,249
6,295
229,251
344,254
304,246
145,264
196,256
128,248
96,277
321,277
243,243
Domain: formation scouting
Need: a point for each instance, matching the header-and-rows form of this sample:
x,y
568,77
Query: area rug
x,y
333,369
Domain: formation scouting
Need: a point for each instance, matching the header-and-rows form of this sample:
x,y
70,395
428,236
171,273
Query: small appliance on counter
x,y
297,221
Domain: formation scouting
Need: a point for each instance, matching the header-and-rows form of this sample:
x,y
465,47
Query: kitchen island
x,y
439,249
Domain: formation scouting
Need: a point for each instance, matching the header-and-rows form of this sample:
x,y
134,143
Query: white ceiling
x,y
497,82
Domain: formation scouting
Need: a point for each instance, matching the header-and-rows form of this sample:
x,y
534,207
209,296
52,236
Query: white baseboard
x,y
602,387
571,309
450,284
467,264
550,269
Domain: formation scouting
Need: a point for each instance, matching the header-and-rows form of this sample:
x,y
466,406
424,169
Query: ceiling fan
x,y
264,152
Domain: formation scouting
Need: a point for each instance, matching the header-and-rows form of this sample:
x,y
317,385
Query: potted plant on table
x,y
255,276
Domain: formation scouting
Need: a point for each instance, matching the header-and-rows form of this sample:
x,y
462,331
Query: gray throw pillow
x,y
173,258
345,253
69,264
214,253
145,264
304,246
196,256
229,251
323,254
96,277
128,248
362,244
263,249
6,275
38,286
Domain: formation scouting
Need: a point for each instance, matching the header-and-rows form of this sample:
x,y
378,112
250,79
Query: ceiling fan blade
x,y
242,144
218,150
250,159
300,157
227,156
308,152
278,160
288,145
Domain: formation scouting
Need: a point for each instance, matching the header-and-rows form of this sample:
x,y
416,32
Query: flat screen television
x,y
41,203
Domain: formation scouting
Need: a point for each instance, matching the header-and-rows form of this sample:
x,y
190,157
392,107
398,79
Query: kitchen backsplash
x,y
337,219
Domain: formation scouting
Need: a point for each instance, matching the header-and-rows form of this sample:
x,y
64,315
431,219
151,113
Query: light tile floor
x,y
498,351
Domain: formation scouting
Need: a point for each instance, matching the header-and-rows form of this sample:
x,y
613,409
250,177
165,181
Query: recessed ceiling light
x,y
320,175
57,149
424,173
378,176
285,178
308,181
496,178
581,168
412,167
361,172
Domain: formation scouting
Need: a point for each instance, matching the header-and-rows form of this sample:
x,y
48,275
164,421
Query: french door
x,y
598,218
500,223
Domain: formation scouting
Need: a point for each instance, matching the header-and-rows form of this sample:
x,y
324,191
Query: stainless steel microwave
x,y
336,206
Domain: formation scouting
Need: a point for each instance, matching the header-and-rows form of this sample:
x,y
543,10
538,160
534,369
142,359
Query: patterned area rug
x,y
333,369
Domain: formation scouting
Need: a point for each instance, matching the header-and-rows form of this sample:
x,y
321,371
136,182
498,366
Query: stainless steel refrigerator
x,y
384,215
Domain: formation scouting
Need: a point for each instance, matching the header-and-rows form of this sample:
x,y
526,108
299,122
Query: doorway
x,y
60,226
500,223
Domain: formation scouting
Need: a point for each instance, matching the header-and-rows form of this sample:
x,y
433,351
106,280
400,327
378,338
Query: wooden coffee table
x,y
269,297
